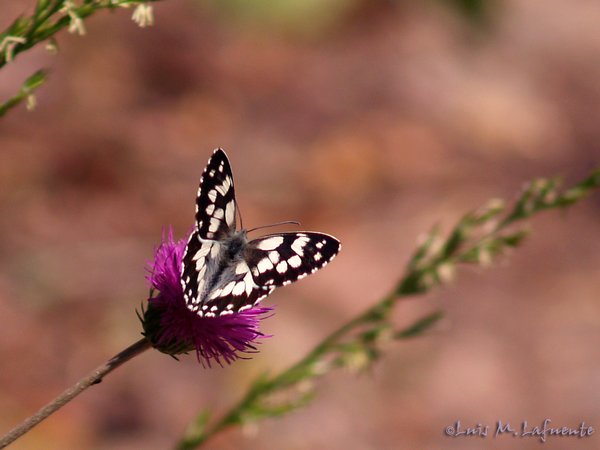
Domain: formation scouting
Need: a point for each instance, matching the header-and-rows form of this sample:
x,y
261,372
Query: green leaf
x,y
420,326
196,431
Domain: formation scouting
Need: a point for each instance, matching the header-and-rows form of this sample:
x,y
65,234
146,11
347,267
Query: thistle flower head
x,y
173,329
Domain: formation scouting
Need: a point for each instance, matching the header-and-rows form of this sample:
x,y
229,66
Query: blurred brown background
x,y
370,120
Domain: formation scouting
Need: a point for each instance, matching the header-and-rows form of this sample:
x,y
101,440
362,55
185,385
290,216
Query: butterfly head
x,y
235,244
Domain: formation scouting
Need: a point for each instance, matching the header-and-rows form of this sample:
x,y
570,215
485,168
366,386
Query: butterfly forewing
x,y
215,203
215,220
280,259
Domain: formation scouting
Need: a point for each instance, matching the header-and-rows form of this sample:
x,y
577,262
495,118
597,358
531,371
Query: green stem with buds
x,y
477,238
49,17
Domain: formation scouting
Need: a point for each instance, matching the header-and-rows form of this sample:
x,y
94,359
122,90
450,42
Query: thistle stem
x,y
92,378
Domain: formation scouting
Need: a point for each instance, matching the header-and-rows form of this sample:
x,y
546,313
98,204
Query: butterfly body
x,y
223,272
234,245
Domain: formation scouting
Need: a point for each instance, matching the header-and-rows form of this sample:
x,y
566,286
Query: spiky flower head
x,y
173,329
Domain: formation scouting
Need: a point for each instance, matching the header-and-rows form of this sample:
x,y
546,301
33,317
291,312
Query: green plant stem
x,y
487,230
288,376
46,21
29,86
39,27
92,378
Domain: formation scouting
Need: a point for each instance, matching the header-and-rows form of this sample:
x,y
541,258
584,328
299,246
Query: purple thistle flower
x,y
173,329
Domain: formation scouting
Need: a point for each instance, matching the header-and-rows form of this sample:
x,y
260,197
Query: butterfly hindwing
x,y
280,259
199,265
236,291
215,203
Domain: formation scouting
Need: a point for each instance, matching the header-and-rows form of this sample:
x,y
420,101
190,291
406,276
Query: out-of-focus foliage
x,y
474,10
297,17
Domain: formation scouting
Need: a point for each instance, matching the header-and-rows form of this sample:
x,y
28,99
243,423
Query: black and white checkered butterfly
x,y
223,272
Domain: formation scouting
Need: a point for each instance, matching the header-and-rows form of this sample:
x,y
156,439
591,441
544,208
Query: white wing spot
x,y
282,267
212,173
264,265
201,271
270,243
227,183
221,190
295,261
319,245
219,213
318,256
298,245
227,289
274,257
249,283
214,224
202,252
241,268
244,308
210,209
212,195
239,288
230,213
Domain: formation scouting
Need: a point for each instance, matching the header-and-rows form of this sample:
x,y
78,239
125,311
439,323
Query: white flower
x,y
143,15
75,24
8,45
31,102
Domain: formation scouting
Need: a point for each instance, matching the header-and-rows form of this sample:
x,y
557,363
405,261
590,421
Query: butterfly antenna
x,y
239,213
285,222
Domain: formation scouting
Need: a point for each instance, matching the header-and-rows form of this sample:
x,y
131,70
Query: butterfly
x,y
223,272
